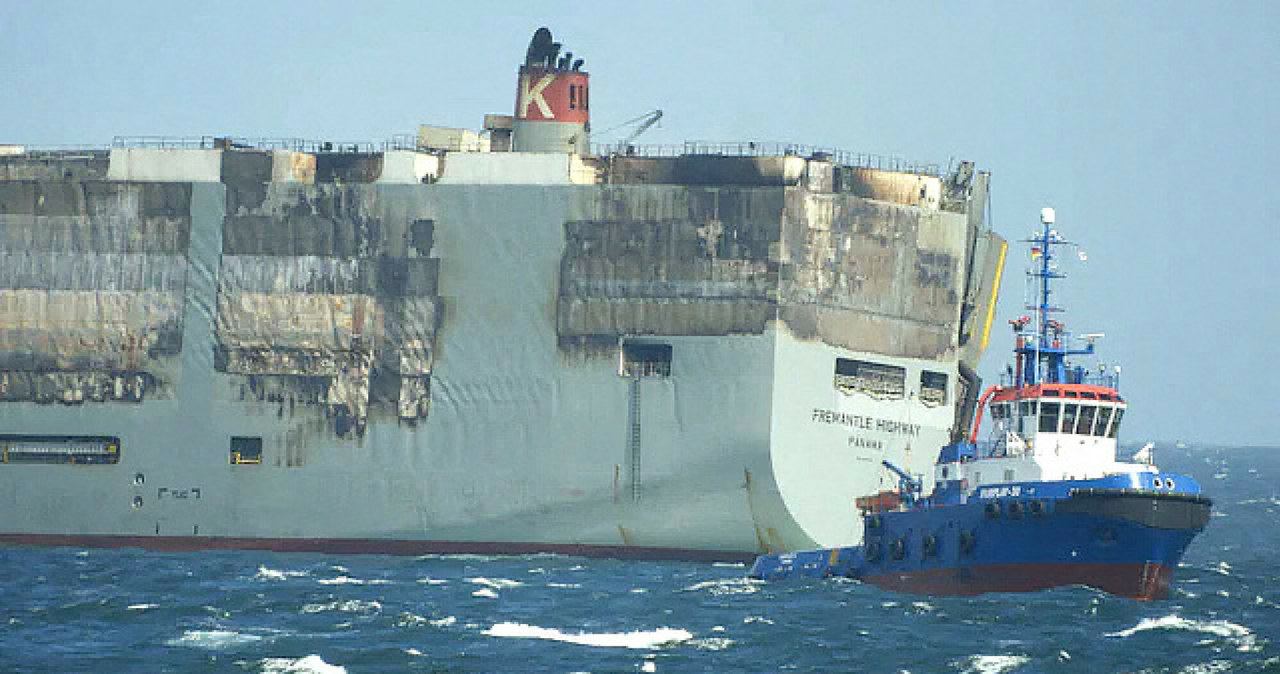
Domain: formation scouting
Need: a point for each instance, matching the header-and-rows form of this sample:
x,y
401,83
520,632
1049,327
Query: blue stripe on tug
x,y
1063,511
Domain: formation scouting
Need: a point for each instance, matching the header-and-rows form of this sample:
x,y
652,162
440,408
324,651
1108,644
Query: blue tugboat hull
x,y
1123,541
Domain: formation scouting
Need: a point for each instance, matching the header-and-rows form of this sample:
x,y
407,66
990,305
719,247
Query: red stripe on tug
x,y
1056,390
1135,581
375,546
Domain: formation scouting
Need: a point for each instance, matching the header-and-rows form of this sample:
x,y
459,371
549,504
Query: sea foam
x,y
1239,636
275,574
312,664
993,664
213,640
727,586
663,636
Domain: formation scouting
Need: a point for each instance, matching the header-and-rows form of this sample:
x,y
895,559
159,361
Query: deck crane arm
x,y
644,123
909,487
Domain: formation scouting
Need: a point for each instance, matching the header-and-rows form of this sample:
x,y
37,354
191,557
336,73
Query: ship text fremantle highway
x,y
864,423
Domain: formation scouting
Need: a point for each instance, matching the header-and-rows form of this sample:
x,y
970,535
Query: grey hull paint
x,y
526,432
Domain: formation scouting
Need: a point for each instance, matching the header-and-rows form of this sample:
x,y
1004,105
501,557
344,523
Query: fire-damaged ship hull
x,y
486,346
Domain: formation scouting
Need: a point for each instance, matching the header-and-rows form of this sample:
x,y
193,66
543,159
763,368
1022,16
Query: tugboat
x,y
1042,503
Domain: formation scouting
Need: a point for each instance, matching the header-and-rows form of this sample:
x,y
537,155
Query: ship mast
x,y
1042,352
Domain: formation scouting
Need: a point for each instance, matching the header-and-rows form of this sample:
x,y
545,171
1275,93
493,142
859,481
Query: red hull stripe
x,y
1137,581
378,546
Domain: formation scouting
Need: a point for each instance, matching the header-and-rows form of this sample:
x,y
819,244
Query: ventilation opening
x,y
80,450
246,451
874,379
646,359
933,388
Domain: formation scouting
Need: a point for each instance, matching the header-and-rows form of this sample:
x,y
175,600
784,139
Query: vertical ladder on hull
x,y
633,447
1149,582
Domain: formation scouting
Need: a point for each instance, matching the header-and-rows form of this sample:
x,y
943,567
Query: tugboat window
x,y
1115,423
1049,417
1104,417
1068,418
1084,425
1026,416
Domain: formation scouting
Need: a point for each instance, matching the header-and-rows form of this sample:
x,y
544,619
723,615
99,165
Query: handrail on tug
x,y
982,404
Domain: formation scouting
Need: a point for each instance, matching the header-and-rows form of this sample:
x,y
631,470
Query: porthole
x,y
1159,484
139,479
137,502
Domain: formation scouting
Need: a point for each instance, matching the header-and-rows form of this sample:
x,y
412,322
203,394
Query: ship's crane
x,y
643,123
908,487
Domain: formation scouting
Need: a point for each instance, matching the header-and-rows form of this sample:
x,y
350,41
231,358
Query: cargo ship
x,y
504,340
1043,503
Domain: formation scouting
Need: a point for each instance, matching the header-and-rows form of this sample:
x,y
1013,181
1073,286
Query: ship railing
x,y
403,141
1074,376
770,149
412,143
238,143
1006,445
69,151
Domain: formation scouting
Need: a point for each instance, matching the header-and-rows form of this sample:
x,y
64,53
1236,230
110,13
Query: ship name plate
x,y
860,422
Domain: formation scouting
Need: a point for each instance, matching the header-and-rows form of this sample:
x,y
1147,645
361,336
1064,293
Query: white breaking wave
x,y
348,580
312,664
565,586
140,607
1239,636
274,574
348,606
433,581
1211,667
993,664
485,593
663,636
495,583
727,586
213,640
711,643
407,619
463,557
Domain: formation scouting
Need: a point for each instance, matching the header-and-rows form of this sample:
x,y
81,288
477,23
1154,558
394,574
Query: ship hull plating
x,y
271,361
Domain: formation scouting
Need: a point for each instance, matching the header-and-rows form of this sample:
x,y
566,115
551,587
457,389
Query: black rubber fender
x,y
898,549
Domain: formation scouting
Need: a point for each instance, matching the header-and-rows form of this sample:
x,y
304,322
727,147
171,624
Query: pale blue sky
x,y
1150,126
